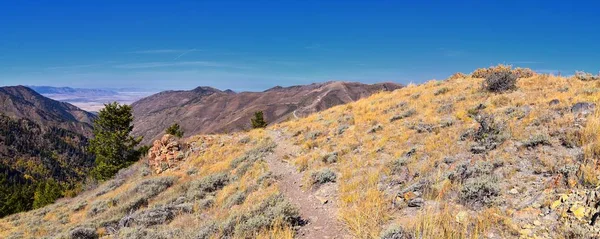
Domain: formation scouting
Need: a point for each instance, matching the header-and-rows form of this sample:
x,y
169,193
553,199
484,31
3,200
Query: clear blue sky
x,y
253,45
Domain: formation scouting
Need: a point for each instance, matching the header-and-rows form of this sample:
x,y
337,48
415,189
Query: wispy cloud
x,y
181,64
72,67
164,51
284,63
186,52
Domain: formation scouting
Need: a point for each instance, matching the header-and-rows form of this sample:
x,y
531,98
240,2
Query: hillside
x,y
42,142
33,156
208,110
22,102
444,159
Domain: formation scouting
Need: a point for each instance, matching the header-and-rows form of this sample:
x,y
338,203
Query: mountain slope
x,y
22,102
445,159
208,110
42,142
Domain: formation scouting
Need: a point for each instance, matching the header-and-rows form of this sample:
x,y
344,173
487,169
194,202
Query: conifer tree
x,y
112,144
175,130
258,121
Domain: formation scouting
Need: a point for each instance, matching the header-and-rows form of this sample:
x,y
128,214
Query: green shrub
x,y
313,135
97,208
330,158
442,90
244,140
109,186
83,233
464,170
342,128
480,191
536,140
395,232
78,206
405,114
258,121
175,130
397,165
323,176
585,76
153,216
487,72
208,230
254,154
267,178
144,191
207,202
235,199
489,134
200,188
263,217
500,81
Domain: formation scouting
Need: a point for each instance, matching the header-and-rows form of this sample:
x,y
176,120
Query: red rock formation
x,y
166,153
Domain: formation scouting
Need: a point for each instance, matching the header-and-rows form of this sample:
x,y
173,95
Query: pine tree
x,y
46,193
175,130
258,121
112,144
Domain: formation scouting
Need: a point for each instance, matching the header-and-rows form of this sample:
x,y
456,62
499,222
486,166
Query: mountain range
x,y
206,110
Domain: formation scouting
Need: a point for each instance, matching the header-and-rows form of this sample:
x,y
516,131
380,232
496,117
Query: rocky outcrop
x,y
167,153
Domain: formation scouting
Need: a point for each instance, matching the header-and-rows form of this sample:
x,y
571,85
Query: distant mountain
x,y
209,110
68,90
23,102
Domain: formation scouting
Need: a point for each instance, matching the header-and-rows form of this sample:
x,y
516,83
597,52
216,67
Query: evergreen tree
x,y
16,193
175,130
258,121
46,193
112,144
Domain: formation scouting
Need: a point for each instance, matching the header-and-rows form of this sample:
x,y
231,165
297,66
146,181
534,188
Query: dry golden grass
x,y
364,208
367,141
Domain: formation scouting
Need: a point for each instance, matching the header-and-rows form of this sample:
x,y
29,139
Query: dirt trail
x,y
321,217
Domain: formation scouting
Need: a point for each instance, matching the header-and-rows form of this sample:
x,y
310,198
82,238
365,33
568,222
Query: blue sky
x,y
254,45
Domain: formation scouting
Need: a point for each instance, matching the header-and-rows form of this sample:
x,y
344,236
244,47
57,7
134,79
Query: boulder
x,y
583,108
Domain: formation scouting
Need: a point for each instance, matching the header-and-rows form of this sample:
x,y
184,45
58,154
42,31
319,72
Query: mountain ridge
x,y
206,109
23,102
